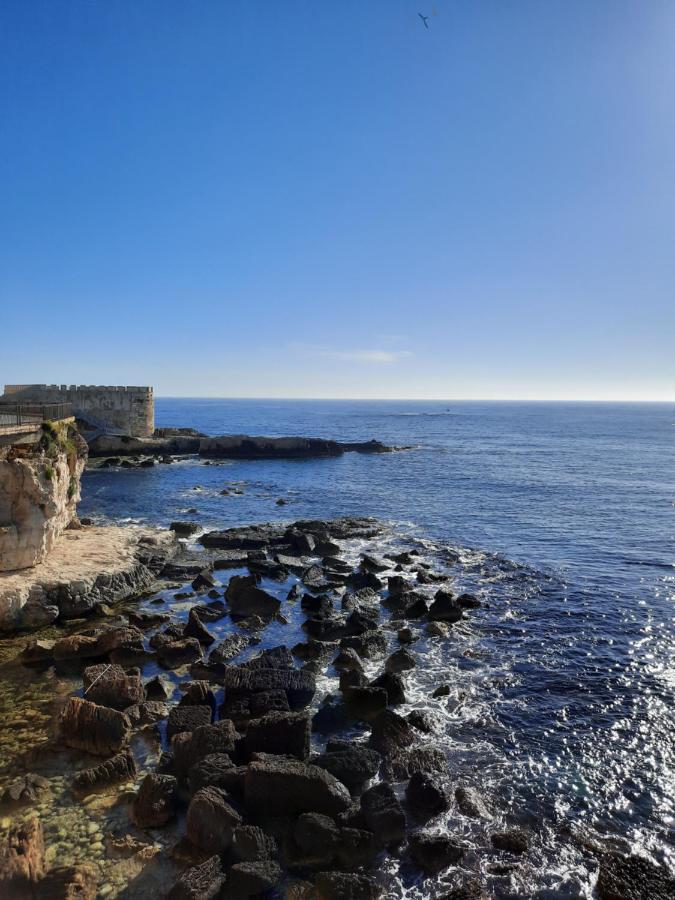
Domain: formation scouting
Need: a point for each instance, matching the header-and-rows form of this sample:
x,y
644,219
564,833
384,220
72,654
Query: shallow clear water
x,y
563,684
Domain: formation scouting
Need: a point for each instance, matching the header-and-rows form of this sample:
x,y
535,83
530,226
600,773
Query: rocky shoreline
x,y
180,442
282,772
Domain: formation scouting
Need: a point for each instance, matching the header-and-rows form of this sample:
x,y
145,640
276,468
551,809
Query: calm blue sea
x,y
562,514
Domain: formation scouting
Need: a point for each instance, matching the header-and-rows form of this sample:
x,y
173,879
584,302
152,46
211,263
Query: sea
x,y
559,517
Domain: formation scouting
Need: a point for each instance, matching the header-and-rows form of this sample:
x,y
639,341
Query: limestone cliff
x,y
39,492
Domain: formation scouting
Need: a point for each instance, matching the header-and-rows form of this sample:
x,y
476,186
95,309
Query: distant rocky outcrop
x,y
237,446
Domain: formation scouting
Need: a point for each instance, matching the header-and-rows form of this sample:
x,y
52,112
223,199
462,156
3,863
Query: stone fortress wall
x,y
129,410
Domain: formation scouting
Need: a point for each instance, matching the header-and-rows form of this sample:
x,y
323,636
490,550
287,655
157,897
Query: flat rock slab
x,y
94,565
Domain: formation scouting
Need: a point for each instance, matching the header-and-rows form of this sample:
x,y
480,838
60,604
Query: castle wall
x,y
130,410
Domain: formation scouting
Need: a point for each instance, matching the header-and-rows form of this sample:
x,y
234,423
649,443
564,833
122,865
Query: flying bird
x,y
425,19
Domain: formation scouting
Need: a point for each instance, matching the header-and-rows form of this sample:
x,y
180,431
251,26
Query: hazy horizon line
x,y
416,399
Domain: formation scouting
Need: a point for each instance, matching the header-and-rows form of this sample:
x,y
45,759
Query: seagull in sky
x,y
425,19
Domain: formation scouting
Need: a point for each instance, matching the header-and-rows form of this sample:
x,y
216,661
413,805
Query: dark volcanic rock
x,y
317,836
369,645
184,529
253,879
470,802
195,628
345,886
402,762
154,804
228,648
247,599
353,767
187,718
299,686
203,581
179,653
358,580
393,685
190,747
202,882
286,787
434,852
445,608
113,771
348,659
633,878
251,844
366,703
158,688
211,820
214,770
281,733
95,729
383,814
512,840
251,537
274,658
110,685
390,732
424,796
468,601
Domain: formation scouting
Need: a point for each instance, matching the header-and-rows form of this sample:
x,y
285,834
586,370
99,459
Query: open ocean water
x,y
562,704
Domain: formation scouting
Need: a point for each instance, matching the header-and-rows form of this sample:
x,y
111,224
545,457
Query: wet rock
x,y
302,542
251,879
357,599
250,537
445,608
214,770
227,649
345,886
202,882
22,859
333,715
184,529
282,733
326,628
425,796
468,889
312,650
285,787
470,802
357,848
110,685
162,638
434,852
231,559
252,844
158,688
468,601
154,805
353,766
179,653
383,814
95,729
195,628
400,661
204,581
358,580
362,620
348,659
187,718
146,619
415,610
27,789
422,721
372,563
78,882
273,658
319,605
368,645
119,768
211,820
512,840
147,713
443,690
198,693
390,732
352,679
438,629
37,653
247,599
366,703
401,763
405,635
633,878
299,686
317,836
394,686
189,748
424,576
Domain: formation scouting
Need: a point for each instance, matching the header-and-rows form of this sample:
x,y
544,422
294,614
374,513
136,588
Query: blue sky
x,y
326,199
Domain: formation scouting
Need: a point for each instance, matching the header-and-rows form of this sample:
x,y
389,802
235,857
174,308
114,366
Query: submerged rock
x,y
113,771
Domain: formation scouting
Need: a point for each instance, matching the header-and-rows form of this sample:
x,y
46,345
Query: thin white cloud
x,y
368,357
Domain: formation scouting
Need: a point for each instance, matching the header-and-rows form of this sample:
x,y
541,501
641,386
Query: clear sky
x,y
327,199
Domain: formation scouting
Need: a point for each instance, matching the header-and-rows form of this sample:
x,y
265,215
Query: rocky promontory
x,y
175,442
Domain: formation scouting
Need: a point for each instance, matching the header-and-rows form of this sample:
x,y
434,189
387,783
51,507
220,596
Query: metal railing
x,y
17,414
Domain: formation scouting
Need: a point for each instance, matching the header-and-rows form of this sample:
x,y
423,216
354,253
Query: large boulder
x,y
92,728
211,820
189,748
383,814
154,804
633,878
345,886
285,787
425,796
434,852
118,769
253,879
445,607
187,718
251,844
247,599
283,733
110,685
389,732
353,767
202,882
299,686
177,653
